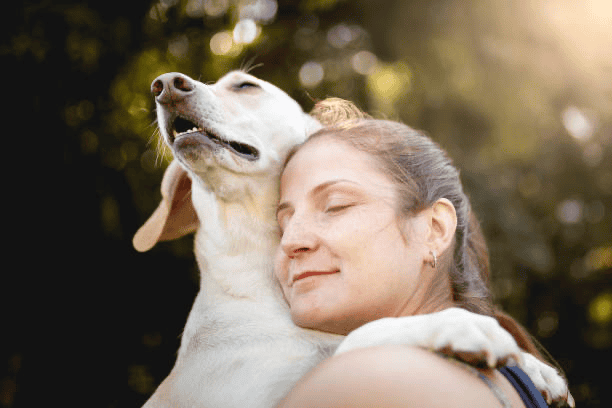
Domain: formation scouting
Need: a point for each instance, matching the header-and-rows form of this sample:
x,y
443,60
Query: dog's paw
x,y
470,337
548,381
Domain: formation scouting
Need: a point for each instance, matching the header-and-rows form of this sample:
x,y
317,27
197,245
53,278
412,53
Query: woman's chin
x,y
316,320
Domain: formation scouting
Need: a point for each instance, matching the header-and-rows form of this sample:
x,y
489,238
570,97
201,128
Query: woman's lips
x,y
304,275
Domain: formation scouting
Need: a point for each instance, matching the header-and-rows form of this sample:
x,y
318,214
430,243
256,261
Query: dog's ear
x,y
175,215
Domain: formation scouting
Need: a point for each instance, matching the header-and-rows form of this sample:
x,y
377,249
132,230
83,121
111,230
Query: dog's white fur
x,y
240,347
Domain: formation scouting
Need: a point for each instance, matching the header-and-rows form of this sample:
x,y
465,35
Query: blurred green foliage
x,y
518,92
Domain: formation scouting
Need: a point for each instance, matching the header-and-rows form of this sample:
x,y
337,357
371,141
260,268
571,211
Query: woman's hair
x,y
423,173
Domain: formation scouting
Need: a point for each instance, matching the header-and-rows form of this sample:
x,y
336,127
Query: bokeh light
x,y
212,8
245,31
598,259
570,211
340,36
364,62
221,43
600,309
311,74
387,84
262,11
577,123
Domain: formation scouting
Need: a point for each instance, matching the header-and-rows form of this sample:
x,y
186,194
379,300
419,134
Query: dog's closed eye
x,y
246,85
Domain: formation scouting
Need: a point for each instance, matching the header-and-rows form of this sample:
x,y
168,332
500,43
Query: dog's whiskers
x,y
155,131
248,66
161,147
162,150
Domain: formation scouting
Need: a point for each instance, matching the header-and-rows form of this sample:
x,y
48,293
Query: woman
x,y
375,223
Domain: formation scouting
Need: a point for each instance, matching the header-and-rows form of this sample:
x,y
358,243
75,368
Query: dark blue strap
x,y
524,386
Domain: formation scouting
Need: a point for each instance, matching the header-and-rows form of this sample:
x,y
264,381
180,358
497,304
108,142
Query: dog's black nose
x,y
172,87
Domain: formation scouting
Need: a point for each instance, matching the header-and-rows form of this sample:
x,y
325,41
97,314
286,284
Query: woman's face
x,y
342,261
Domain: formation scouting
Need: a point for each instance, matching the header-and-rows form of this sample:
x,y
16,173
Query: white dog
x,y
240,347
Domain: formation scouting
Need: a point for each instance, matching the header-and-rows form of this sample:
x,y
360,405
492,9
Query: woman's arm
x,y
395,376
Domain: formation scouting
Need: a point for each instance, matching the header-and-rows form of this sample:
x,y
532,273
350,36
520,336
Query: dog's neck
x,y
235,247
236,240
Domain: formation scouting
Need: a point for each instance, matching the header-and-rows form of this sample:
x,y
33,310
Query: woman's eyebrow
x,y
329,183
315,191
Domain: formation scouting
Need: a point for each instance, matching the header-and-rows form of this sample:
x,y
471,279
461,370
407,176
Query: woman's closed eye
x,y
335,208
338,201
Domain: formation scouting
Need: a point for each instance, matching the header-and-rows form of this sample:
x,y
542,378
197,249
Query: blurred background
x,y
519,93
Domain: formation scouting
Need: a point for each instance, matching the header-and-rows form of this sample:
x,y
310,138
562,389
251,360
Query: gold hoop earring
x,y
435,259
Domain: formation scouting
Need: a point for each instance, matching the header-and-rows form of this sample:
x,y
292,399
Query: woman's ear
x,y
443,224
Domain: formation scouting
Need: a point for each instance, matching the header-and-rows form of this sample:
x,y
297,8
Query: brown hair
x,y
423,173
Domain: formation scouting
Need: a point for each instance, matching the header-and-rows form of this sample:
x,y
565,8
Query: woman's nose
x,y
298,238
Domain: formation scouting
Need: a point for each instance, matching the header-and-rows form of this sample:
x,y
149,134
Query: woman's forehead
x,y
325,159
325,156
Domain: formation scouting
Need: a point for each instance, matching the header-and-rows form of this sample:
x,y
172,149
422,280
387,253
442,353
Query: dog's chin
x,y
195,145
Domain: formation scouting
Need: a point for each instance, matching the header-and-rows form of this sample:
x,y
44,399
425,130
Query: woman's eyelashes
x,y
337,202
336,208
332,203
330,209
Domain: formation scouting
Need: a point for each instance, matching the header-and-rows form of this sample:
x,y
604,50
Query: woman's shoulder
x,y
392,376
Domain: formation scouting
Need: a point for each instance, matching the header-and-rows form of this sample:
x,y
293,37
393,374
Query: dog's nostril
x,y
157,87
182,84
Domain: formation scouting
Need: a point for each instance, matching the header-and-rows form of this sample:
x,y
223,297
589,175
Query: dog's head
x,y
241,123
229,137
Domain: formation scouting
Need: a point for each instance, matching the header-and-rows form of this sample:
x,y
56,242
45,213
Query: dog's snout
x,y
172,87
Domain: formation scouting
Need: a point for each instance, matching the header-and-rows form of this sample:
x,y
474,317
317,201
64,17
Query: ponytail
x,y
469,274
477,257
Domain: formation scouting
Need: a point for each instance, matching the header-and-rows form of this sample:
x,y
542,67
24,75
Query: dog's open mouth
x,y
182,127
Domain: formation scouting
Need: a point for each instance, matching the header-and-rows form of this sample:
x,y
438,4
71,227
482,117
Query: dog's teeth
x,y
176,134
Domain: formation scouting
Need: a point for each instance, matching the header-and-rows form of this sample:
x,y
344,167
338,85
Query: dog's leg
x,y
470,337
